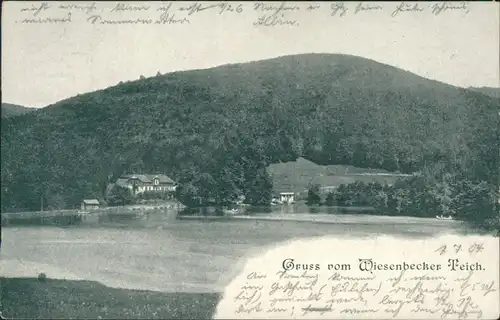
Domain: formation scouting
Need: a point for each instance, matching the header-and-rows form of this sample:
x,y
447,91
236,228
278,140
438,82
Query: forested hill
x,y
215,130
11,110
489,91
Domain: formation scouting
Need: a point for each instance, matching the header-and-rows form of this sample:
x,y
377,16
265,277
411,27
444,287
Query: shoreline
x,y
31,298
167,206
323,218
356,216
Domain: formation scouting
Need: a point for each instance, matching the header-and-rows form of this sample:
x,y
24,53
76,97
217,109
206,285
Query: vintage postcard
x,y
250,160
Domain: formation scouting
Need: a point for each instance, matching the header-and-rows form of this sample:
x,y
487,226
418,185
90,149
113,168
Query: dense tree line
x,y
215,131
422,196
12,110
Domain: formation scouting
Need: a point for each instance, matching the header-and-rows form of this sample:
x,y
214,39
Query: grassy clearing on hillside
x,y
297,175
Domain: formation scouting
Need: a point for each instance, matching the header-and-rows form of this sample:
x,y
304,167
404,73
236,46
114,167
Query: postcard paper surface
x,y
250,160
448,277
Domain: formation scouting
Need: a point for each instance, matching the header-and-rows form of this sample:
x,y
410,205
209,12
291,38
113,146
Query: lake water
x,y
158,251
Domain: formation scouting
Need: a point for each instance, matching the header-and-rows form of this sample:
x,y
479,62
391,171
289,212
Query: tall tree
x,y
313,195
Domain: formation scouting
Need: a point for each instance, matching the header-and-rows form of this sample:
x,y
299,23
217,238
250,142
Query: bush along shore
x,y
44,298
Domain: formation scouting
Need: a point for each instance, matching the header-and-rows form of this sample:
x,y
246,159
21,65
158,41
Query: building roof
x,y
287,193
147,178
91,201
122,182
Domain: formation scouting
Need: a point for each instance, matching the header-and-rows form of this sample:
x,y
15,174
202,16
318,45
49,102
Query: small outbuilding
x,y
90,204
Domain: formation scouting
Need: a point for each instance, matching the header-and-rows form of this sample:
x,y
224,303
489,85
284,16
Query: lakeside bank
x,y
30,298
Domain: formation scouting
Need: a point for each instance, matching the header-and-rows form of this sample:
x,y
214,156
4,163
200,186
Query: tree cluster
x,y
423,196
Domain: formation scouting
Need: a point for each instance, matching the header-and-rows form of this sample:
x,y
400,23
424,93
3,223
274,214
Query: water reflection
x,y
273,210
125,219
135,218
161,219
66,220
202,211
314,210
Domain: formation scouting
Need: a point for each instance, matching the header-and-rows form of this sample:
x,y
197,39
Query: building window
x,y
156,182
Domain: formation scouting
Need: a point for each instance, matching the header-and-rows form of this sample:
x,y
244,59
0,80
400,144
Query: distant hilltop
x,y
489,91
12,110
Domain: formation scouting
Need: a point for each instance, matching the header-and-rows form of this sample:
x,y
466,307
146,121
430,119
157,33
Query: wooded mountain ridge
x,y
489,91
12,110
216,130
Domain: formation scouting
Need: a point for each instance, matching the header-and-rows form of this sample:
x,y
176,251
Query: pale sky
x,y
46,62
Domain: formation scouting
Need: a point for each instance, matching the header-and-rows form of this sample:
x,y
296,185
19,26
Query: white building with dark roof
x,y
140,183
287,197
